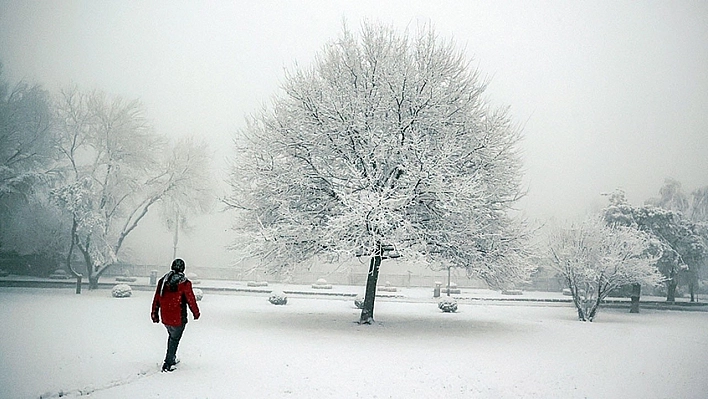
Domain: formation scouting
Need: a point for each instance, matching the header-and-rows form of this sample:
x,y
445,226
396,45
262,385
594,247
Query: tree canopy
x,y
681,243
385,139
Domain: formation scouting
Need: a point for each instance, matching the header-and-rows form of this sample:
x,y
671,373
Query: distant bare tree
x,y
194,194
118,168
671,197
385,144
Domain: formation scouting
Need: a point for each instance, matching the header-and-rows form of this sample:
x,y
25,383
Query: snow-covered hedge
x,y
321,284
388,288
278,298
512,292
121,291
59,274
257,284
198,294
448,305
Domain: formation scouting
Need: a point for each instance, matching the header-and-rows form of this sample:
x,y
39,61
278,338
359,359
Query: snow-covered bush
x,y
359,302
321,284
448,305
278,298
198,294
121,291
3,273
59,274
512,292
126,279
388,287
257,284
595,259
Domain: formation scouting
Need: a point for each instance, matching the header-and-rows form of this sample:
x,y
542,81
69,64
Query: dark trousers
x,y
174,335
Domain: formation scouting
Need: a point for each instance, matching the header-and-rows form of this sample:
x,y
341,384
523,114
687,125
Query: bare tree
x,y
193,194
117,169
595,259
384,145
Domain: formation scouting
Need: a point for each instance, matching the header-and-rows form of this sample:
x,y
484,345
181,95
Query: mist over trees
x,y
81,169
385,143
118,169
29,224
677,223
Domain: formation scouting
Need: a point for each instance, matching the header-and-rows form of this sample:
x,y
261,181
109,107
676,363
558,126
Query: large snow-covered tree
x,y
27,149
117,169
27,160
683,249
385,144
595,259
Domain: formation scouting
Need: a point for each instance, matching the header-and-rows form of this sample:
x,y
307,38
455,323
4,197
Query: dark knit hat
x,y
178,265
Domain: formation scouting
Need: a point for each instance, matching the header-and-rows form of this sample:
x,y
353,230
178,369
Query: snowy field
x,y
54,343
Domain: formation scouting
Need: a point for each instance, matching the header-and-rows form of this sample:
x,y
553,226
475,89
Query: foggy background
x,y
609,94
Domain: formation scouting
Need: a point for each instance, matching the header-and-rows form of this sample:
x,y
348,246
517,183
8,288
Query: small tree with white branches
x,y
595,259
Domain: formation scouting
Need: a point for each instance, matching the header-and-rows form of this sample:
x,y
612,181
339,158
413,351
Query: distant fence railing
x,y
339,277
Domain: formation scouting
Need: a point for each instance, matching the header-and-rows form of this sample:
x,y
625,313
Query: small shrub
x,y
278,298
3,273
448,305
198,294
121,291
359,302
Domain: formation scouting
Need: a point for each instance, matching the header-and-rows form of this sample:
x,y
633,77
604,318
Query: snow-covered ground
x,y
54,343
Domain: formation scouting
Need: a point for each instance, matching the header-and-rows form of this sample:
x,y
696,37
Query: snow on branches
x,y
595,259
384,139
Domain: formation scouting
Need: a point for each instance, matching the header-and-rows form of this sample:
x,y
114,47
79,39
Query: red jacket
x,y
172,306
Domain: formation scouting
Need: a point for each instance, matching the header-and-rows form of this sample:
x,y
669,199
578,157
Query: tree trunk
x,y
69,256
593,310
92,279
93,282
636,294
367,311
671,290
175,239
693,280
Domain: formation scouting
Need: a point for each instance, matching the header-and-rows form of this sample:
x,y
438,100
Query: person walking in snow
x,y
172,297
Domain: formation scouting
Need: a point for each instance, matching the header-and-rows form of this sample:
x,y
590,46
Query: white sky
x,y
611,94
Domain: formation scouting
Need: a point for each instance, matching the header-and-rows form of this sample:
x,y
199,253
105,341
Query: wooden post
x,y
78,283
636,292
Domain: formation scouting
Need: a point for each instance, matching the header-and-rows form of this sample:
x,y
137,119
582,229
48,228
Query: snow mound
x,y
121,291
